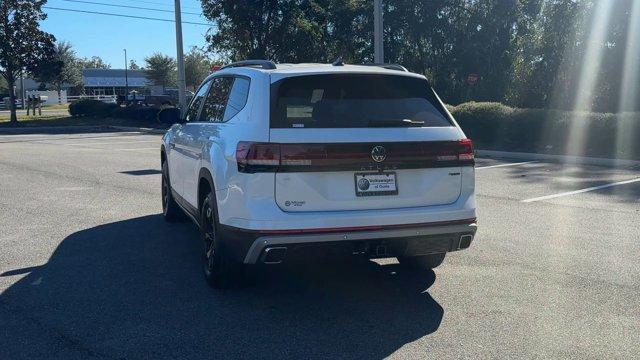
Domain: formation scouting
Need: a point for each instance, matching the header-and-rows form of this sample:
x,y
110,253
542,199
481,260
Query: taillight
x,y
257,157
465,151
456,153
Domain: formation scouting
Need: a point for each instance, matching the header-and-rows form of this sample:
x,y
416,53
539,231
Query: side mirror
x,y
169,116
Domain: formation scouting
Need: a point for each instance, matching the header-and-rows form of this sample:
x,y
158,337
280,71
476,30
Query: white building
x,y
113,81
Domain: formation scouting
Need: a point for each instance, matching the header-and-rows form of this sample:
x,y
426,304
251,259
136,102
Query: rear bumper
x,y
422,239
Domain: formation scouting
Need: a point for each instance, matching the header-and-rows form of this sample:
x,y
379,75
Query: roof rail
x,y
265,64
389,66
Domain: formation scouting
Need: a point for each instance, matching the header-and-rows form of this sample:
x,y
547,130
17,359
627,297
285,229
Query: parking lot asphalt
x,y
88,269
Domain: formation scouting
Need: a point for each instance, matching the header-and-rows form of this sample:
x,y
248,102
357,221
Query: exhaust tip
x,y
465,241
274,255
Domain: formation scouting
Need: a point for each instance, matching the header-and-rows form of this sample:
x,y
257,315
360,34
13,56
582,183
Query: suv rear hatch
x,y
360,142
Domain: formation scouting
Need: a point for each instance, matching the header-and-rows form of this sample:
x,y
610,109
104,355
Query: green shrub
x,y
89,107
494,126
142,114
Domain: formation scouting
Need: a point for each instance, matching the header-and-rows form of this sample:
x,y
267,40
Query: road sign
x,y
472,79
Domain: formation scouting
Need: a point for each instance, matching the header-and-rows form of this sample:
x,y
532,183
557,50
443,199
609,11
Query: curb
x,y
62,129
567,159
139,129
39,129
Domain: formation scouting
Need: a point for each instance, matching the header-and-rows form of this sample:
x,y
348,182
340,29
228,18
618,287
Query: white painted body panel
x,y
256,210
366,135
333,191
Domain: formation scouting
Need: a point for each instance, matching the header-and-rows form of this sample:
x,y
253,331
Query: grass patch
x,y
22,118
53,120
56,107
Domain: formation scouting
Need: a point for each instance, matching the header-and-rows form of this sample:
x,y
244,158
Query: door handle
x,y
172,145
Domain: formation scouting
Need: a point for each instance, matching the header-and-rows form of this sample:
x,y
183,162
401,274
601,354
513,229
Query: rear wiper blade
x,y
398,123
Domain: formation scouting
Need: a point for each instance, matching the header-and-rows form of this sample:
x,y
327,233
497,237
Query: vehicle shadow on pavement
x,y
134,288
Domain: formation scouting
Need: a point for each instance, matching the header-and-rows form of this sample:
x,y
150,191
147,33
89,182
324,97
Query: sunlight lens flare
x,y
601,16
630,82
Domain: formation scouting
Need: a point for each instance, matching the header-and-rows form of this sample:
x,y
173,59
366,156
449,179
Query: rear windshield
x,y
354,101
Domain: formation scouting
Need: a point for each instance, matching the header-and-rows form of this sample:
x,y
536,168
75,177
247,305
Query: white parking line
x,y
113,143
505,165
136,149
116,149
131,136
541,198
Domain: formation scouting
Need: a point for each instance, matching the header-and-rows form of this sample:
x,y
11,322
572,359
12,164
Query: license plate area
x,y
376,184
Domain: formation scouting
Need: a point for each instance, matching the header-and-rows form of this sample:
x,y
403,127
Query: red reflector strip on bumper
x,y
360,228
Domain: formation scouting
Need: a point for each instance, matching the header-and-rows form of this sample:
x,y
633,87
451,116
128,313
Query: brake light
x,y
460,152
255,157
465,150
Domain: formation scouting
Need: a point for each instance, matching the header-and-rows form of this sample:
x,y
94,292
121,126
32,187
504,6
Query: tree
x,y
3,85
161,69
23,46
197,66
290,31
540,53
65,69
528,53
133,65
94,62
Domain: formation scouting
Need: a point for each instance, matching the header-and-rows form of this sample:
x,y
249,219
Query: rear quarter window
x,y
355,101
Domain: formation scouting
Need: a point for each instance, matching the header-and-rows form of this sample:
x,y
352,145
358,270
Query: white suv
x,y
282,162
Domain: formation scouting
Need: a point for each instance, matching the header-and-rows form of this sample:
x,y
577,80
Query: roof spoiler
x,y
389,66
264,64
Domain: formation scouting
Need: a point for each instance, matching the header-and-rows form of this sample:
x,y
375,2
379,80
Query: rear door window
x,y
355,101
214,107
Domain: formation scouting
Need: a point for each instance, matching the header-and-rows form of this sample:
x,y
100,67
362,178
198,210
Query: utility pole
x,y
378,50
126,75
182,96
22,92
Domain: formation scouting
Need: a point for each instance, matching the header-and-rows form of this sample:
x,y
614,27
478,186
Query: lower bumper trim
x,y
419,240
357,228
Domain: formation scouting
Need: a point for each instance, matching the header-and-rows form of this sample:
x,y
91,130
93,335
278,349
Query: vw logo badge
x,y
363,184
378,153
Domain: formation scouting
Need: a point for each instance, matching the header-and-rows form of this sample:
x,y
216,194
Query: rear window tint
x,y
354,101
237,98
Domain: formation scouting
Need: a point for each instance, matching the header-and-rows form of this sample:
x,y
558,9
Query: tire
x,y
220,271
170,209
423,262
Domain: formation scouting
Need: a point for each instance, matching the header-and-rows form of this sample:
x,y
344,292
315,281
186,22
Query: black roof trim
x,y
265,64
389,66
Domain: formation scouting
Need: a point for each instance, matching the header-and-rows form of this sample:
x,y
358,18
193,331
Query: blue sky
x,y
106,36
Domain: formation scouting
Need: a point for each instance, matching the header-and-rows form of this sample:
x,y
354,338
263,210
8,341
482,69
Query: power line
x,y
164,4
121,15
129,7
